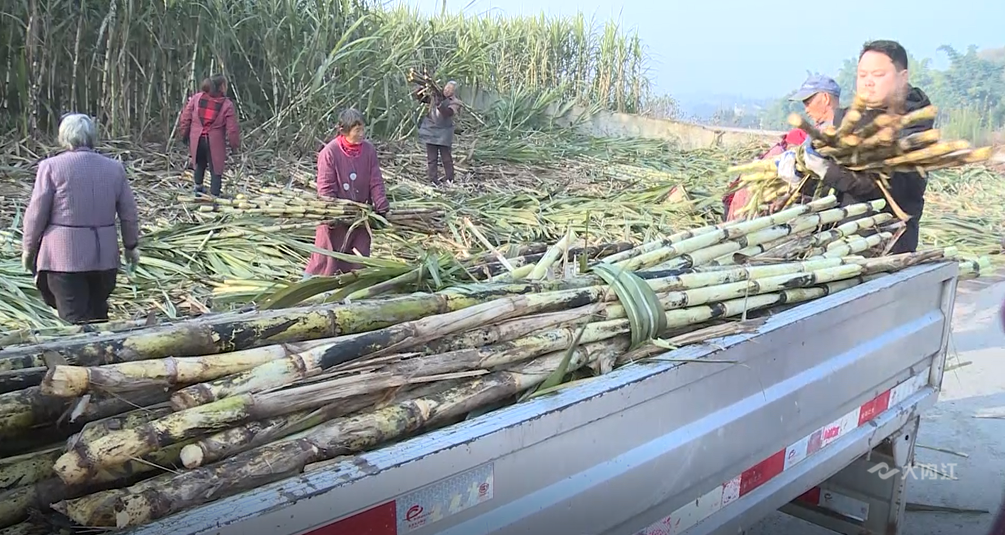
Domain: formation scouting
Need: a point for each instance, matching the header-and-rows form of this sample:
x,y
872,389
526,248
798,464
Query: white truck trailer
x,y
815,414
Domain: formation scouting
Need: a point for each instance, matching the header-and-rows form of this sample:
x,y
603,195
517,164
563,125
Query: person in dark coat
x,y
207,123
437,131
883,84
347,169
69,238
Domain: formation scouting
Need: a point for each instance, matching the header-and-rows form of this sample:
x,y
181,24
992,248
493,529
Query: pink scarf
x,y
350,149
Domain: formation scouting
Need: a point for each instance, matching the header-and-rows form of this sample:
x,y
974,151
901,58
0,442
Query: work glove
x,y
813,161
132,257
28,261
787,167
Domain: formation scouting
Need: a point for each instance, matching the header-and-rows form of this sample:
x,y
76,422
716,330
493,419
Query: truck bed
x,y
671,445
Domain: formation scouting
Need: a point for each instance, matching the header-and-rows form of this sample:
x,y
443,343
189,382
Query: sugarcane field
x,y
234,253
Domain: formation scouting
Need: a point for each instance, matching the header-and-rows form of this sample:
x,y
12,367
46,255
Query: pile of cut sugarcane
x,y
876,147
122,427
295,204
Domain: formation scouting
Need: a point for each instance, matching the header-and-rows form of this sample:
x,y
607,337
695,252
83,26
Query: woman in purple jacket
x,y
347,169
69,238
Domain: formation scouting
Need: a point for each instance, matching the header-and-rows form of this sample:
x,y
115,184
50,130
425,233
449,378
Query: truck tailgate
x,y
655,447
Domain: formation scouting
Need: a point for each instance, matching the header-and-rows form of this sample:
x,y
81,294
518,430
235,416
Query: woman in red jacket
x,y
347,169
207,123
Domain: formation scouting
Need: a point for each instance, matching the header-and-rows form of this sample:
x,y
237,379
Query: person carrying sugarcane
x,y
883,85
207,123
69,240
436,130
734,201
347,169
821,97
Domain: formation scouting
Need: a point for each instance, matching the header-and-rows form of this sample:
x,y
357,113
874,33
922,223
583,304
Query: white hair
x,y
77,130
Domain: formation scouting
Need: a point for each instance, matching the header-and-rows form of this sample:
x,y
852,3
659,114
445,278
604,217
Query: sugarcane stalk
x,y
26,408
26,528
503,332
886,264
883,121
657,244
801,225
28,468
919,140
15,503
53,491
20,379
725,253
383,341
73,381
800,122
932,151
928,113
856,246
795,247
973,268
550,257
169,494
234,332
97,429
244,437
849,141
115,448
702,241
148,501
751,167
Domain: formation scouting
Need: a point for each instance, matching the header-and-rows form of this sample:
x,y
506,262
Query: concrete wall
x,y
611,124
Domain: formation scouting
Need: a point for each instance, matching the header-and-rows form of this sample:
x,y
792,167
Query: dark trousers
x,y
442,153
202,160
81,297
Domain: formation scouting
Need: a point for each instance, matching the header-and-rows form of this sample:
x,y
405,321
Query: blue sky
x,y
736,47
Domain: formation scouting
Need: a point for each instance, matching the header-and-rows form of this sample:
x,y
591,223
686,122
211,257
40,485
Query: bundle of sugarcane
x,y
130,426
426,86
287,204
876,147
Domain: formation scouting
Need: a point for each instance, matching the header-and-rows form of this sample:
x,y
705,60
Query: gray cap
x,y
817,84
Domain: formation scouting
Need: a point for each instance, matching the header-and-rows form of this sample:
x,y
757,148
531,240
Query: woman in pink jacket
x,y
207,123
347,169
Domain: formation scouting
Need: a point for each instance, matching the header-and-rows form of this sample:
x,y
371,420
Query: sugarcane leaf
x,y
645,314
556,377
297,292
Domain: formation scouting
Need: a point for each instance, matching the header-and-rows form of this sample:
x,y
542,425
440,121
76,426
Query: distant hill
x,y
705,107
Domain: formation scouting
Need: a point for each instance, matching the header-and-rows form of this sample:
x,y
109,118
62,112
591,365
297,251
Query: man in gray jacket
x,y
437,131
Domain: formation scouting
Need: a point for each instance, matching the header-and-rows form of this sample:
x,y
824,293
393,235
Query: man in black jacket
x,y
883,83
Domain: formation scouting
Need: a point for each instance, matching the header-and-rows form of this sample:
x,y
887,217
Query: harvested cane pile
x,y
124,427
194,262
876,147
298,204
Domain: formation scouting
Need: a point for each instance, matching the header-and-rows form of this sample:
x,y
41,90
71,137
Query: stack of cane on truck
x,y
875,148
123,427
